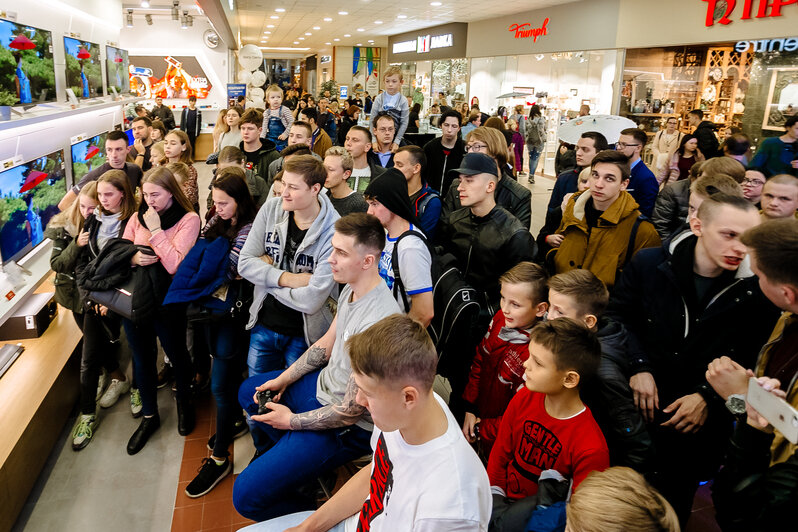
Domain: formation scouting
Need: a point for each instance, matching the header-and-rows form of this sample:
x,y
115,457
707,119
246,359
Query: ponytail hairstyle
x,y
164,178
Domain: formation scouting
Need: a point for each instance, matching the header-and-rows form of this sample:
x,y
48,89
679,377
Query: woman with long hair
x,y
219,128
464,112
227,338
231,137
157,154
165,228
158,131
414,118
101,327
301,105
177,149
685,156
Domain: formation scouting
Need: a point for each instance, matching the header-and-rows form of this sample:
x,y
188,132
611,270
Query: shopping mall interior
x,y
187,89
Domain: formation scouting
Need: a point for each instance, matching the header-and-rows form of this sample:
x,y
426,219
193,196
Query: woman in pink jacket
x,y
166,227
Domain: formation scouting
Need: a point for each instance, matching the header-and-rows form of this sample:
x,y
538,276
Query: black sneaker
x,y
240,429
208,477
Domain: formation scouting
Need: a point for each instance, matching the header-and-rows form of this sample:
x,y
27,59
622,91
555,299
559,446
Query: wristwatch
x,y
736,404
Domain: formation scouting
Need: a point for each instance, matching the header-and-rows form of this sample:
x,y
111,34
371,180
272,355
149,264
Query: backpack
x,y
455,303
535,132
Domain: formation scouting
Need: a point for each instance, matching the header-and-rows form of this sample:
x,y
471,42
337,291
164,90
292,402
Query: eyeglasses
x,y
385,129
476,147
623,145
753,182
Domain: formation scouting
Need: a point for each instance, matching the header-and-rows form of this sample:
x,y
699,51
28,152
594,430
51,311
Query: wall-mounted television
x,y
168,77
83,68
27,72
116,69
29,196
87,155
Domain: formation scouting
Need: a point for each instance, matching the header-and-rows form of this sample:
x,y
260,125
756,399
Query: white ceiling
x,y
302,16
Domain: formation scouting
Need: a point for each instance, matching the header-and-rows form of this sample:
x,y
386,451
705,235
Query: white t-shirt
x,y
355,180
414,266
438,486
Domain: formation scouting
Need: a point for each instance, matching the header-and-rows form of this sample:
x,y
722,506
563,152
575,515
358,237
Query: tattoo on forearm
x,y
314,358
332,416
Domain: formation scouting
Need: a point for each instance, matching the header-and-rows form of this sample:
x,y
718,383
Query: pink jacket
x,y
171,245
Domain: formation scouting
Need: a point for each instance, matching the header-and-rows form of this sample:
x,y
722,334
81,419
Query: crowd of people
x,y
603,378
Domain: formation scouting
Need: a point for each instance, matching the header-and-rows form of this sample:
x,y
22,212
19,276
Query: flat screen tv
x,y
29,196
116,69
168,77
87,155
83,69
27,72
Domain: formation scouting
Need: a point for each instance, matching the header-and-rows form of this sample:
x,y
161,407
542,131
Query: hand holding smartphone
x,y
774,409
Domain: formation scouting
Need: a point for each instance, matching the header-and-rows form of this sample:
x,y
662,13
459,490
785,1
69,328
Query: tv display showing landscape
x,y
27,72
83,69
87,155
116,69
29,196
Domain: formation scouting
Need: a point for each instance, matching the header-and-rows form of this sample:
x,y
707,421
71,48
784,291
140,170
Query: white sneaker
x,y
101,382
115,389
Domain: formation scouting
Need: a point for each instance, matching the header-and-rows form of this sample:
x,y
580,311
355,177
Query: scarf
x,y
169,217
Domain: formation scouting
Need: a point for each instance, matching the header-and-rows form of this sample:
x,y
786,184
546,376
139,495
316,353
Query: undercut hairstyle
x,y
638,134
302,124
588,294
774,244
295,149
697,112
417,155
709,185
146,120
310,113
531,275
364,130
783,179
232,154
311,169
116,135
710,206
599,141
393,71
396,350
737,144
347,162
365,228
616,158
164,178
119,180
451,114
619,499
724,165
474,114
574,346
251,116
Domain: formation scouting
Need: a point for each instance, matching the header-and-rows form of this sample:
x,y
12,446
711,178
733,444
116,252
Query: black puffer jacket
x,y
671,208
64,261
509,194
485,248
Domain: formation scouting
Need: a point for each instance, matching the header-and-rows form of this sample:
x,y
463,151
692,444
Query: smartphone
x,y
777,411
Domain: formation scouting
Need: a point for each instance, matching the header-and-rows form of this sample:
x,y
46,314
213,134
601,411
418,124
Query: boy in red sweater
x,y
497,371
546,426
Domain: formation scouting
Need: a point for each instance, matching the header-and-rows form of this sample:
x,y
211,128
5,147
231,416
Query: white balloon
x,y
258,104
258,78
256,93
244,76
250,57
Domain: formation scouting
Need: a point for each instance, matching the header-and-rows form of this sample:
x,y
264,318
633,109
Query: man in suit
x,y
643,185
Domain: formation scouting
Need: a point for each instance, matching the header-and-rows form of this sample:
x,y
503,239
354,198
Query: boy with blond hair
x,y
497,370
339,163
547,432
392,102
780,197
277,118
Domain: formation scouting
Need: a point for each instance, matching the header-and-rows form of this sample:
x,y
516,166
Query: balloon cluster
x,y
250,58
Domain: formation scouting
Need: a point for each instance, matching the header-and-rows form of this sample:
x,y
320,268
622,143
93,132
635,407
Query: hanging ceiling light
x,y
175,10
190,20
184,20
148,18
129,18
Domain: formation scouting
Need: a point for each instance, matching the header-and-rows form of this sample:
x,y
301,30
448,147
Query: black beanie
x,y
390,189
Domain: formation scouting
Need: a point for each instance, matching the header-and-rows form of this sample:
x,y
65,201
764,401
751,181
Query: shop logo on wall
x,y
524,31
720,11
424,43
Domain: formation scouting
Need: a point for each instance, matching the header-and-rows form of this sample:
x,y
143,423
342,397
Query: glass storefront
x,y
449,76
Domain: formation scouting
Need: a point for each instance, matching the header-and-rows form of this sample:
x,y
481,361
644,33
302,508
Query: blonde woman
x,y
157,154
219,128
231,137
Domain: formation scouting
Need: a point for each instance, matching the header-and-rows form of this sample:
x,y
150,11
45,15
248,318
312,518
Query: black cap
x,y
477,163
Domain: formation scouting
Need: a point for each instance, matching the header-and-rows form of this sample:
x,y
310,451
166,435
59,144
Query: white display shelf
x,y
55,110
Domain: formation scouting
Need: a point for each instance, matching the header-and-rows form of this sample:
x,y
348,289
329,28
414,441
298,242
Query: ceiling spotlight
x,y
401,16
377,22
280,10
267,33
175,12
129,18
327,19
435,4
274,17
336,40
328,43
189,20
343,13
296,42
300,38
371,40
308,34
347,35
144,3
316,27
359,44
270,25
361,29
148,18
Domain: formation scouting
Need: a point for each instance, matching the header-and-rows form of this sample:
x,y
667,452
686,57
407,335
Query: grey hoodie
x,y
267,237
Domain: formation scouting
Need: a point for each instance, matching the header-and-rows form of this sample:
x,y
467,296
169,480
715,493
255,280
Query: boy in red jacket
x,y
546,426
497,371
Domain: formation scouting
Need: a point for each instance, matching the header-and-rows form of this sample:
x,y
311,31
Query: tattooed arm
x,y
331,416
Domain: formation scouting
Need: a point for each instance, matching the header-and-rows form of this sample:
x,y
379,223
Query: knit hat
x,y
390,189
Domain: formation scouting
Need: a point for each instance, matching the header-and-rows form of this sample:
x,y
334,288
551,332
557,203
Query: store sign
x,y
721,11
325,59
525,30
768,45
423,44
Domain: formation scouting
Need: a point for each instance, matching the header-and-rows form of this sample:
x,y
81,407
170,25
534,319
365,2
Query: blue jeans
x,y
267,487
279,524
270,351
534,156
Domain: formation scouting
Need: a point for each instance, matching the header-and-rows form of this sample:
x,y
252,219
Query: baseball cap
x,y
477,163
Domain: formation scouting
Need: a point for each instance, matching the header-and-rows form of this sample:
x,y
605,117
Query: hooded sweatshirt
x,y
267,237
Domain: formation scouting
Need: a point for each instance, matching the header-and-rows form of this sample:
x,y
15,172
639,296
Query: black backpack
x,y
455,302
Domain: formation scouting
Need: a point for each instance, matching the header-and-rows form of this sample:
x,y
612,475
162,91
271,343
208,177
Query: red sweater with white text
x,y
531,441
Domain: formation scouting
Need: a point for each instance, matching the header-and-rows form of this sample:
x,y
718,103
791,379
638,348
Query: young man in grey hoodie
x,y
285,257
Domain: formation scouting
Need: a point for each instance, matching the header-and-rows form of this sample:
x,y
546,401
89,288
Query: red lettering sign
x,y
523,31
720,11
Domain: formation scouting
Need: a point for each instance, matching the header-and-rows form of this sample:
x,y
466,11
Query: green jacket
x,y
63,261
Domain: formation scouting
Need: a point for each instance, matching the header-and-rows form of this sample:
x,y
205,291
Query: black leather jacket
x,y
509,194
486,247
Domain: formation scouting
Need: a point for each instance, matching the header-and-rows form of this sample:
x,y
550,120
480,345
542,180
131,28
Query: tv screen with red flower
x,y
116,69
83,70
27,71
